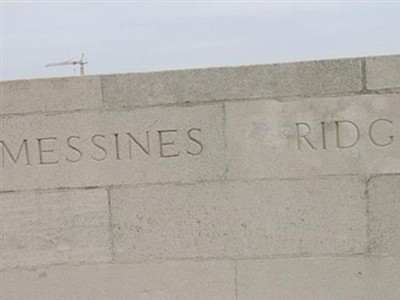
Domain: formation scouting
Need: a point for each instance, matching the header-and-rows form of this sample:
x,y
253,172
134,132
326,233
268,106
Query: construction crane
x,y
71,61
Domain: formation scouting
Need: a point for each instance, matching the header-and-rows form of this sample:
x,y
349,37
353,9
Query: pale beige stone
x,y
52,94
383,72
340,278
265,137
151,215
52,228
302,279
383,278
384,210
185,280
302,217
246,82
176,144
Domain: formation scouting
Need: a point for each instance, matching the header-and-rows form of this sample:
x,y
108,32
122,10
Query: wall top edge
x,y
213,68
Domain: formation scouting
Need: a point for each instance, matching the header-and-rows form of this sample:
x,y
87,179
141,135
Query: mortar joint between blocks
x,y
236,280
364,75
110,225
368,213
103,102
225,136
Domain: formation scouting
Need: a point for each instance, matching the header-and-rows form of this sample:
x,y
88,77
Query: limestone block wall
x,y
243,183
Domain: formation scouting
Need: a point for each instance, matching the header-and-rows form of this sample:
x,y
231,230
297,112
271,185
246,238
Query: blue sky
x,y
119,37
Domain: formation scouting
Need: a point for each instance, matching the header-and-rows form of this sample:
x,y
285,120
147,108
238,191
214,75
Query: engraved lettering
x,y
98,146
74,148
5,149
370,133
117,155
304,135
144,149
338,141
42,151
323,135
163,143
196,141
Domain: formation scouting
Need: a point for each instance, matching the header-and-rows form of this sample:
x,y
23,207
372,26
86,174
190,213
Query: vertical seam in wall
x,y
364,74
102,93
224,124
110,225
236,280
368,214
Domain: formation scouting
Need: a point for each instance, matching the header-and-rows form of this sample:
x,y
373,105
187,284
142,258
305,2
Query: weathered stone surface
x,y
355,278
105,198
92,149
384,210
183,280
383,72
247,82
51,228
302,279
383,278
287,139
303,217
55,94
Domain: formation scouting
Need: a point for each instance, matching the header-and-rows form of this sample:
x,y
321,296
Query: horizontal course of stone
x,y
122,91
256,182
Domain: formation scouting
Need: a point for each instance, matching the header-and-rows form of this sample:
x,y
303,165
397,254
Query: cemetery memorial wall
x,y
278,182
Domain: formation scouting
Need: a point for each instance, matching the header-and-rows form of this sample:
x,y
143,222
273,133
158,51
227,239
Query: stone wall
x,y
258,182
